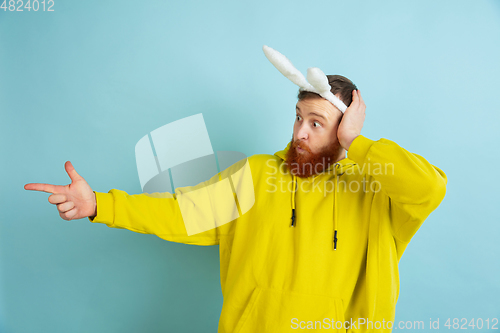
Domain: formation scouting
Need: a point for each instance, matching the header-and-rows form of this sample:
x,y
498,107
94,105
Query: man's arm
x,y
156,213
197,215
415,187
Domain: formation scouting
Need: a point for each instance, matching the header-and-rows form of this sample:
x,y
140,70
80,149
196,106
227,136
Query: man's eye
x,y
317,123
297,117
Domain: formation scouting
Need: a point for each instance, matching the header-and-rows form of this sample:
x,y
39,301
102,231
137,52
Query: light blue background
x,y
84,83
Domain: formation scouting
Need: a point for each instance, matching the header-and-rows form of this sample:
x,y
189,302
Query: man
x,y
320,246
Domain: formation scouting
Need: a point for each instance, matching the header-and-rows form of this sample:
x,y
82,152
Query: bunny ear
x,y
316,82
319,81
286,68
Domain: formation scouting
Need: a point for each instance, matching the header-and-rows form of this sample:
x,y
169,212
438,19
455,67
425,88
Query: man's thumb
x,y
72,172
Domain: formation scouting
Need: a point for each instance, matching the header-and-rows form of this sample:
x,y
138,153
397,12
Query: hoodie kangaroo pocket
x,y
276,311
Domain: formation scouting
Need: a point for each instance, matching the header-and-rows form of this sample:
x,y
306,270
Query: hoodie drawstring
x,y
293,199
335,208
335,215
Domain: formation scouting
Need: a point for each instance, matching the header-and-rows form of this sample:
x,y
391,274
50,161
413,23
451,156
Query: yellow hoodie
x,y
317,253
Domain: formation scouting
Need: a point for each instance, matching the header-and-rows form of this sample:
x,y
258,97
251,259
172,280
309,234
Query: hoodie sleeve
x,y
414,186
196,215
156,213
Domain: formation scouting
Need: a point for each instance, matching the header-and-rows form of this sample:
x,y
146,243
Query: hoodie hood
x,y
340,168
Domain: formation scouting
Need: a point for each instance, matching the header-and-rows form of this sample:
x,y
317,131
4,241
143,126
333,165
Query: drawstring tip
x,y
293,218
335,240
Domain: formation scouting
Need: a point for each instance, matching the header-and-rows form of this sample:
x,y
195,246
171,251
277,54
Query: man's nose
x,y
302,133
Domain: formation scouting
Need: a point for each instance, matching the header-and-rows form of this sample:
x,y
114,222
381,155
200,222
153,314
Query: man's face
x,y
314,144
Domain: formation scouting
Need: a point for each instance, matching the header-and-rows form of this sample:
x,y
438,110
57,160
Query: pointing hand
x,y
75,200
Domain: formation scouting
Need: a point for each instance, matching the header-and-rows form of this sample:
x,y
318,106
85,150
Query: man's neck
x,y
341,156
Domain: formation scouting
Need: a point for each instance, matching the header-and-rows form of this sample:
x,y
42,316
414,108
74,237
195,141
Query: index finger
x,y
355,99
43,187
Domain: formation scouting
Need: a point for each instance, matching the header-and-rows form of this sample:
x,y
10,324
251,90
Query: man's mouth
x,y
300,149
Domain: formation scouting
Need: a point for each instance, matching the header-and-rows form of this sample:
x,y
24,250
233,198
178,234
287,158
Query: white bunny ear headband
x,y
316,82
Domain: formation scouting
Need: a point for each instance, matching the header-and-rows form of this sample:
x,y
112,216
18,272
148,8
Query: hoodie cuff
x,y
104,203
359,148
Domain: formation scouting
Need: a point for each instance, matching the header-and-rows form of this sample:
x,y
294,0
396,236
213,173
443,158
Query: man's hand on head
x,y
352,122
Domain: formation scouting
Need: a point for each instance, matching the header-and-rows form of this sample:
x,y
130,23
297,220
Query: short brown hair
x,y
340,85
